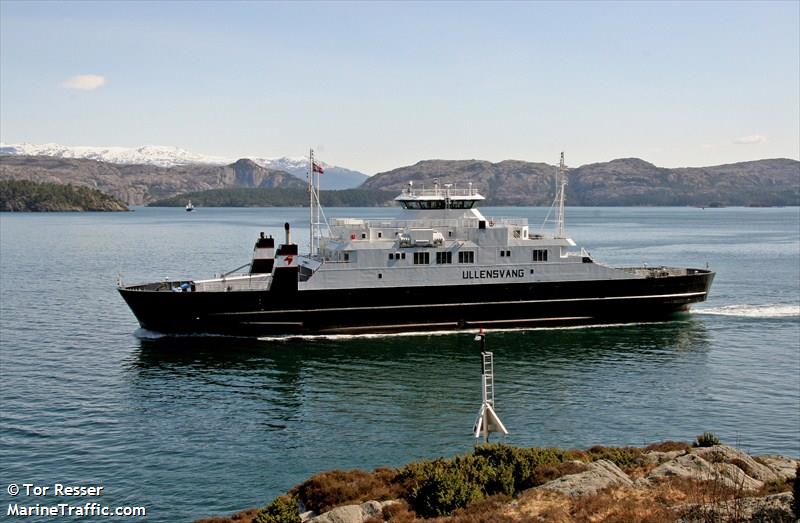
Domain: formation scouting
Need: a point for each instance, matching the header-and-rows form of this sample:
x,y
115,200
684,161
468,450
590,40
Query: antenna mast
x,y
311,234
562,178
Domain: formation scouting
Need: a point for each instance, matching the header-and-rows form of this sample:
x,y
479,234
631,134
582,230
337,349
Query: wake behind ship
x,y
441,265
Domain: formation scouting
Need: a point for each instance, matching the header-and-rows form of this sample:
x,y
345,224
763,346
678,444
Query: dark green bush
x,y
283,509
521,463
706,439
441,486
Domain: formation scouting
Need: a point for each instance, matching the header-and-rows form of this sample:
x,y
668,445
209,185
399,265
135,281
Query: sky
x,y
377,85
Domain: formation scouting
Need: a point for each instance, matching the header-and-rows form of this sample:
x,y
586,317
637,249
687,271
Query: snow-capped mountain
x,y
170,156
160,155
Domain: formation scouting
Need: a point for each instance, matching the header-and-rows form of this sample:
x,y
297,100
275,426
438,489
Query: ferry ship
x,y
441,265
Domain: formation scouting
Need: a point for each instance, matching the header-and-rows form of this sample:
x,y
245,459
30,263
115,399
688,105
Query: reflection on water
x,y
390,390
583,345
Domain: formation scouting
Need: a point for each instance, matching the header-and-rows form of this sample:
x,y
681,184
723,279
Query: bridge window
x,y
444,257
540,255
466,257
422,258
461,204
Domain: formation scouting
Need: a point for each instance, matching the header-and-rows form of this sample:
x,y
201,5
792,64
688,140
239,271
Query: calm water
x,y
193,426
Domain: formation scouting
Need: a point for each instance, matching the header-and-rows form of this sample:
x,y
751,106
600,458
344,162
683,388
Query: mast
x,y
311,202
562,178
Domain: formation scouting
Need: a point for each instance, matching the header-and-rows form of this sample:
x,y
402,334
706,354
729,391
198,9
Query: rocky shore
x,y
664,482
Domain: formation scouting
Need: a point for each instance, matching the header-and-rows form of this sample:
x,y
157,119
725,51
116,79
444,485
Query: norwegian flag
x,y
317,168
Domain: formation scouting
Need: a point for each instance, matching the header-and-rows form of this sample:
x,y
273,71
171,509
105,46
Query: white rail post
x,y
487,421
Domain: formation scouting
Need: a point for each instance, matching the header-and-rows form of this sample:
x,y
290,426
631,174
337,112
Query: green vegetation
x,y
283,509
261,197
706,439
23,195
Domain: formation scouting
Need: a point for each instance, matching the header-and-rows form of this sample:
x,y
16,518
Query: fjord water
x,y
192,426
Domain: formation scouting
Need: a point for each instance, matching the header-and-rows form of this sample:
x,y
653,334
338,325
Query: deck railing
x,y
467,223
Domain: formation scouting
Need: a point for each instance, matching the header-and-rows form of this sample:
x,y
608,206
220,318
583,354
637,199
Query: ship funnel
x,y
288,233
263,255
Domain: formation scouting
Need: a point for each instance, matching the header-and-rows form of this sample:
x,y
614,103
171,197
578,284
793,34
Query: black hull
x,y
435,308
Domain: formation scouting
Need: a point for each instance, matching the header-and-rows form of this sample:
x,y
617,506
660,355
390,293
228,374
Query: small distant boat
x,y
189,206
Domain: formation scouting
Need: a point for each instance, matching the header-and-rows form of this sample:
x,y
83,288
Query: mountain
x,y
158,155
335,177
140,184
627,181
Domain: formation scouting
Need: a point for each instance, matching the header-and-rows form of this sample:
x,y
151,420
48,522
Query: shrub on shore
x,y
283,509
706,439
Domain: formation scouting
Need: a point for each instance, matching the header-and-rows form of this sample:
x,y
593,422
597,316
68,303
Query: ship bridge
x,y
439,197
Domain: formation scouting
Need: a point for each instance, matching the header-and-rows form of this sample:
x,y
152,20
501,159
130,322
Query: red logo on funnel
x,y
289,260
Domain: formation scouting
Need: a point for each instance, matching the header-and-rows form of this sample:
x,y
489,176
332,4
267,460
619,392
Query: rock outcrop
x,y
600,475
351,513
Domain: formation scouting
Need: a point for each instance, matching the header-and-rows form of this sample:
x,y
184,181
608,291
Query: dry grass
x,y
668,446
245,516
399,513
620,505
336,488
488,510
542,505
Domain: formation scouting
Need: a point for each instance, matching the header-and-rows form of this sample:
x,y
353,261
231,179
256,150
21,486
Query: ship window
x,y
449,234
540,255
444,257
411,205
363,236
347,256
422,258
461,204
380,276
466,257
391,256
428,204
380,234
403,255
505,253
